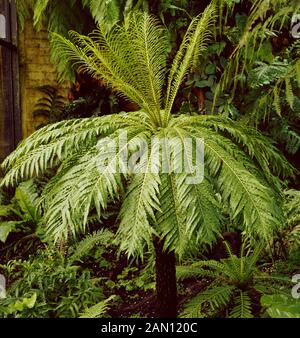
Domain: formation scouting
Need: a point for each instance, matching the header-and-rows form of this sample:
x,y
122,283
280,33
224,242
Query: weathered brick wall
x,y
35,70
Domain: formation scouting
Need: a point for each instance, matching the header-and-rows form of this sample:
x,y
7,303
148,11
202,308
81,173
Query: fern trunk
x,y
166,285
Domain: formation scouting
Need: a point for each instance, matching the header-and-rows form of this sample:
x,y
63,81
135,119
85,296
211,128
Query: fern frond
x,y
28,200
39,11
150,49
195,217
215,298
264,74
99,310
255,144
138,209
84,247
51,104
49,146
194,44
197,269
91,183
171,219
289,93
137,71
239,181
242,308
201,204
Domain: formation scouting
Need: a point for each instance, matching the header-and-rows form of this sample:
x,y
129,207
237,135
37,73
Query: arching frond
x,y
50,145
99,310
239,181
194,44
84,247
137,71
254,143
92,182
216,298
138,210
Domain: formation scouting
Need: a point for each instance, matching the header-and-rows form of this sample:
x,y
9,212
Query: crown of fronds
x,y
239,161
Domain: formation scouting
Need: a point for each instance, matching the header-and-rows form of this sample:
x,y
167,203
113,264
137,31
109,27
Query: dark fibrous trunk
x,y
166,286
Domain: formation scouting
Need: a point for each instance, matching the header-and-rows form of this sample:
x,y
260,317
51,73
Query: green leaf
x,y
265,52
6,228
20,305
210,69
281,306
28,199
5,210
202,83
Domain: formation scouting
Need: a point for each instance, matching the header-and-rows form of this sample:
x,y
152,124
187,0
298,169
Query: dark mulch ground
x,y
146,305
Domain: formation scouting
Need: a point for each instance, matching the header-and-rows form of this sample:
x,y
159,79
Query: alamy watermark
x,y
2,287
157,156
296,288
296,26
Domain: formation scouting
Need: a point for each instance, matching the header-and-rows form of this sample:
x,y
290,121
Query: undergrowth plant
x,y
61,289
236,285
56,285
20,218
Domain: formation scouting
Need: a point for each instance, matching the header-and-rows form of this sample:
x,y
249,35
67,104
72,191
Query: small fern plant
x,y
22,214
235,282
160,208
51,105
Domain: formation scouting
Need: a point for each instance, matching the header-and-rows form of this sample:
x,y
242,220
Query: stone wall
x,y
36,70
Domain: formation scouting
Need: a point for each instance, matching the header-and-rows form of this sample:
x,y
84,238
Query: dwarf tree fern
x,y
234,280
158,204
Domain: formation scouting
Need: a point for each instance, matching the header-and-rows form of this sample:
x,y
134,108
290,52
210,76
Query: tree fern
x,y
58,143
88,159
233,279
